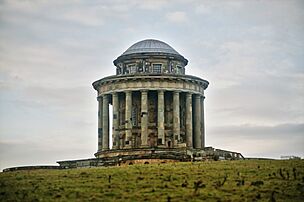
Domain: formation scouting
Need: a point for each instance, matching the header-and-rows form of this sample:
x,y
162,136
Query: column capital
x,y
105,96
203,97
144,91
128,92
114,94
197,96
189,94
99,98
161,91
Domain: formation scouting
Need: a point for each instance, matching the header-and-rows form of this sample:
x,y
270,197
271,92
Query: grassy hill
x,y
249,180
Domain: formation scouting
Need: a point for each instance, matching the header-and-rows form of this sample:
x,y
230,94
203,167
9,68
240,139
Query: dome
x,y
150,46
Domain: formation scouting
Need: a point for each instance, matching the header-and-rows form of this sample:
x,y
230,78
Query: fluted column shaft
x,y
160,117
197,122
203,121
144,118
105,122
176,118
100,111
115,128
189,135
128,122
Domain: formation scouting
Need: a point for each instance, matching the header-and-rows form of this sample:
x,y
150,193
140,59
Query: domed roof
x,y
150,46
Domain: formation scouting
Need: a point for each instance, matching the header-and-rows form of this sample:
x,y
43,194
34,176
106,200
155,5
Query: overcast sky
x,y
251,52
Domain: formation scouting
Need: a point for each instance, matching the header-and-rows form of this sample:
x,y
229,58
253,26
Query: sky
x,y
251,52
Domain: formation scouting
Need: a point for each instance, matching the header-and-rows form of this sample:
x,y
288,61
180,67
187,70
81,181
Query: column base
x,y
127,147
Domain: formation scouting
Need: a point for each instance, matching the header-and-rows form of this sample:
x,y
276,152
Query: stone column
x,y
105,122
115,128
176,118
144,118
160,118
203,121
128,122
197,122
189,135
100,111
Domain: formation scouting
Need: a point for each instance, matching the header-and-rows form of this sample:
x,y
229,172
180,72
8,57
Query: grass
x,y
249,180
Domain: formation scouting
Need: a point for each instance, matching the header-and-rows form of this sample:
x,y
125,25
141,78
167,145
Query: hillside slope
x,y
266,180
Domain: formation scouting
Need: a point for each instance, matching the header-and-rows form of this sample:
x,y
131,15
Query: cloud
x,y
51,52
260,131
176,17
89,17
46,152
152,4
258,140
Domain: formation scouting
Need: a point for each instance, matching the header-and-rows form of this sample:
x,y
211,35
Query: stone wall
x,y
32,168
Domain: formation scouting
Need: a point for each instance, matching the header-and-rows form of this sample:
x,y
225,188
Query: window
x,y
118,71
179,70
157,68
132,69
140,66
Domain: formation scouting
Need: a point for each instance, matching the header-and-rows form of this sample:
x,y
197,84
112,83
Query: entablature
x,y
185,83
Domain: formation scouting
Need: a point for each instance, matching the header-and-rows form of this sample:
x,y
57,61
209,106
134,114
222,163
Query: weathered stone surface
x,y
160,119
176,118
100,124
128,122
115,129
189,134
197,122
144,118
105,123
152,102
157,155
202,121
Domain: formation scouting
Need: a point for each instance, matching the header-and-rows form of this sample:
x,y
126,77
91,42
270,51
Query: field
x,y
248,180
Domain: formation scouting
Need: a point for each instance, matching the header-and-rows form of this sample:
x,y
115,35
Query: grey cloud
x,y
41,153
51,52
259,140
260,131
177,17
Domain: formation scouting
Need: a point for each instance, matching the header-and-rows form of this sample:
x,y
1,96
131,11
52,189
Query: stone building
x,y
158,112
155,103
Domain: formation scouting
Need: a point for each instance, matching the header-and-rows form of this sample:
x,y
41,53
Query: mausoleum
x,y
155,104
157,112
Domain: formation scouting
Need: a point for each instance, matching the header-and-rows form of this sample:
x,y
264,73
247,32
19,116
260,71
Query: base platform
x,y
141,156
151,155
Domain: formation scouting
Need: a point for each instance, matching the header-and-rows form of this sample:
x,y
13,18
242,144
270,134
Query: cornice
x,y
140,77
